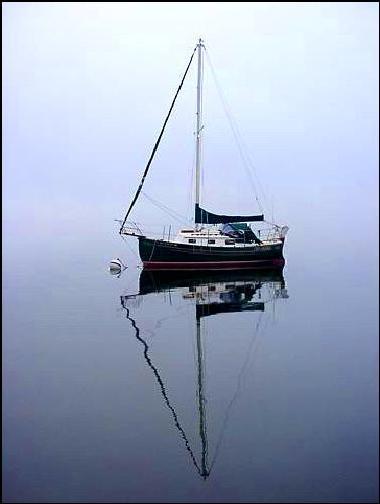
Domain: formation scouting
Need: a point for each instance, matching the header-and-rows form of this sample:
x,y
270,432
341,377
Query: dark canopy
x,y
205,217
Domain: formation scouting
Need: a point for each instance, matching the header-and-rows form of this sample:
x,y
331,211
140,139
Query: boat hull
x,y
160,254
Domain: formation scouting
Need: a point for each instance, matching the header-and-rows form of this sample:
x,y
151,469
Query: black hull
x,y
160,254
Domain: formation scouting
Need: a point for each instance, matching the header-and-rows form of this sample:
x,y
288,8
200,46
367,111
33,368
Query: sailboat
x,y
231,245
213,293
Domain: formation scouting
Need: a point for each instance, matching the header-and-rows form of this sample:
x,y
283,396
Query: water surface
x,y
144,388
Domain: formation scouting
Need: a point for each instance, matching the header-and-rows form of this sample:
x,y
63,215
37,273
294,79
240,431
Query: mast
x,y
199,123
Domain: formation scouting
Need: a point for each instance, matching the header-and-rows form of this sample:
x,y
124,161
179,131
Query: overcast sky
x,y
86,87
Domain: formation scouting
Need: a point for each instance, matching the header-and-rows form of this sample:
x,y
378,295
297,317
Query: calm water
x,y
235,388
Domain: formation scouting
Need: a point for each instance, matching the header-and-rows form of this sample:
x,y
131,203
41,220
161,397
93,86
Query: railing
x,y
131,228
271,233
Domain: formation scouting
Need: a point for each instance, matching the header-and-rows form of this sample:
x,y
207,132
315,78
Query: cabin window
x,y
192,240
211,242
229,242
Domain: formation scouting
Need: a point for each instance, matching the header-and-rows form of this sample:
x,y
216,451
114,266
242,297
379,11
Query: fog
x,y
86,87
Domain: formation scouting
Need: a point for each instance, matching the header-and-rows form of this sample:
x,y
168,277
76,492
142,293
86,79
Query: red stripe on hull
x,y
163,265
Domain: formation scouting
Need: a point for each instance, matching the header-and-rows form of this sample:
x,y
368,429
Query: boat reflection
x,y
212,293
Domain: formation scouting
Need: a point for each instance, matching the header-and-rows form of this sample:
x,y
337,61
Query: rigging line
x,y
190,187
201,160
229,407
158,324
250,163
179,310
130,248
180,218
235,132
151,254
162,205
157,143
238,138
165,210
162,386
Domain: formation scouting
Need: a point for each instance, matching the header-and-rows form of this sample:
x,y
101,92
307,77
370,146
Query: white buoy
x,y
116,265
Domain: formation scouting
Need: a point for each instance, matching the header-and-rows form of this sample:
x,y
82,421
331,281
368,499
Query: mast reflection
x,y
213,293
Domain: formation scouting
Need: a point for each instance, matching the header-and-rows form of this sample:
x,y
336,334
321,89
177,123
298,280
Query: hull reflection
x,y
158,281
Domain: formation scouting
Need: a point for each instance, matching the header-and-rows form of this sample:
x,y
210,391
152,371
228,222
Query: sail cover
x,y
204,217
